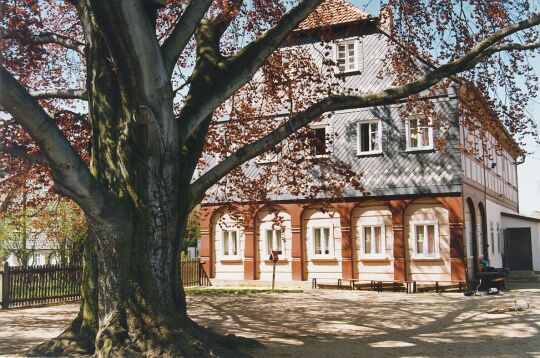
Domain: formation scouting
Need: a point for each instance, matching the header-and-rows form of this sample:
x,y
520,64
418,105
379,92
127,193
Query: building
x,y
431,214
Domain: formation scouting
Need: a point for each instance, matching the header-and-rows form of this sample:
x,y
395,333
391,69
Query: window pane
x,y
225,242
278,241
317,241
374,136
419,239
413,133
364,137
377,239
425,137
367,240
234,241
319,143
431,239
269,234
327,241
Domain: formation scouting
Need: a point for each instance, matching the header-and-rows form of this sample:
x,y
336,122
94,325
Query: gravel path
x,y
328,323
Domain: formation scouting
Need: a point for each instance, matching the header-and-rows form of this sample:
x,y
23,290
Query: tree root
x,y
74,342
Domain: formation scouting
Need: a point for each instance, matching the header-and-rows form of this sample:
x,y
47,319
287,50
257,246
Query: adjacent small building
x,y
431,214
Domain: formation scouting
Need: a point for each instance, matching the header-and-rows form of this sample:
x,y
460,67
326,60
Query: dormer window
x,y
347,56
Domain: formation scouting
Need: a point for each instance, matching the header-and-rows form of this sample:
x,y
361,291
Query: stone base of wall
x,y
283,285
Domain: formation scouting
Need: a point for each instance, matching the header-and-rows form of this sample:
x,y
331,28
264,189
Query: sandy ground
x,y
329,323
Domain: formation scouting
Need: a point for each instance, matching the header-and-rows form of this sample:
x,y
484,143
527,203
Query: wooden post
x,y
273,275
5,286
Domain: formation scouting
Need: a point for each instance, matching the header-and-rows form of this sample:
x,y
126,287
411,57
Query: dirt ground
x,y
330,323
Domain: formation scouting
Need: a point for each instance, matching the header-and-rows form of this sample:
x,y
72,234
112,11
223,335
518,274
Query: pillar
x,y
249,254
345,212
454,205
206,252
397,207
297,252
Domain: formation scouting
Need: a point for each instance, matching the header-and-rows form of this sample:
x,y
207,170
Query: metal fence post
x,y
5,286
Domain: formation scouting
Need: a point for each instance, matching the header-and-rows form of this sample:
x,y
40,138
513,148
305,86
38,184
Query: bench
x,y
439,285
396,285
314,284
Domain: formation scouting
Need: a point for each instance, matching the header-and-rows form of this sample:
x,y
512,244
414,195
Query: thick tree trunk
x,y
133,303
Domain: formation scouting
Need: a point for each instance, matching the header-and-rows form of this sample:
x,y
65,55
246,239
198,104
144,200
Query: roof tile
x,y
332,12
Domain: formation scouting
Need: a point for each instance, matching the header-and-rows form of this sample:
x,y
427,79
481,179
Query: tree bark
x,y
133,303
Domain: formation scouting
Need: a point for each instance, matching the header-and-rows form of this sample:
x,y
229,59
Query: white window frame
x,y
34,259
359,139
424,255
274,240
372,225
356,64
331,252
230,256
408,135
327,142
499,239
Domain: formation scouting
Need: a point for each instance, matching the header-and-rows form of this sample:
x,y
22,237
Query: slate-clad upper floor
x,y
392,151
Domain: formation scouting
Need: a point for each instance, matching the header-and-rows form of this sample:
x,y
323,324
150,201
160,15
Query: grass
x,y
233,291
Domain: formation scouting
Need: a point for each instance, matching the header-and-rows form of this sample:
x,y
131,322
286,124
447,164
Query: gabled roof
x,y
332,12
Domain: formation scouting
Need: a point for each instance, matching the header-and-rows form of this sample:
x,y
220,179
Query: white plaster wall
x,y
373,268
266,220
509,222
228,268
434,269
493,215
328,267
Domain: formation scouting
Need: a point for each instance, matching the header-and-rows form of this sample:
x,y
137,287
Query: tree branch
x,y
131,39
244,65
60,93
68,42
334,103
183,31
70,174
22,152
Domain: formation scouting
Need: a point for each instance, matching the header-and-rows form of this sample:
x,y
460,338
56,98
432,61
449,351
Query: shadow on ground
x,y
343,324
330,323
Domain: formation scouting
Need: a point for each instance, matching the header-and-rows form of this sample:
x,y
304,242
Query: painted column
x,y
345,211
297,252
206,252
454,205
250,269
397,207
249,255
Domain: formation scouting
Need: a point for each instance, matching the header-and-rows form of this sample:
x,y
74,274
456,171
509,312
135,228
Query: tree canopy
x,y
113,103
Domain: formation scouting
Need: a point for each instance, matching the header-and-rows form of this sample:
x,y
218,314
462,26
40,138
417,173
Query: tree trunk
x,y
133,302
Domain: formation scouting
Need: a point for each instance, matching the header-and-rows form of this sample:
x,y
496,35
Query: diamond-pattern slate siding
x,y
395,171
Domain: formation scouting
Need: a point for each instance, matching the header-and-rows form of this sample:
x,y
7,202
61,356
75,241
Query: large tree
x,y
117,100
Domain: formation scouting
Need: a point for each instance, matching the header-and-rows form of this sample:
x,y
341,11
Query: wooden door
x,y
518,249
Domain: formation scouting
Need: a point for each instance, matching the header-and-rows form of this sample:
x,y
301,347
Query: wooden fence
x,y
192,273
26,286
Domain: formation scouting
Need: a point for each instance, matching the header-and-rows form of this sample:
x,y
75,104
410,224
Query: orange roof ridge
x,y
333,12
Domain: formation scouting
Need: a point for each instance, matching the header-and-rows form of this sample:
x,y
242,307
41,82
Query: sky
x,y
529,171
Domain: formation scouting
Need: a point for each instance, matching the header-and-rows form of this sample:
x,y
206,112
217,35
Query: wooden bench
x,y
359,284
440,285
314,284
396,285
